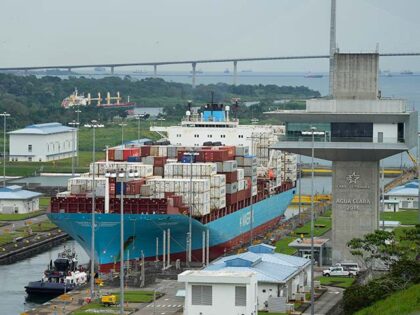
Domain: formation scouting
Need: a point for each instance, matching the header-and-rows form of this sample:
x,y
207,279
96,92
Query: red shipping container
x,y
111,154
159,161
231,199
145,150
231,177
127,152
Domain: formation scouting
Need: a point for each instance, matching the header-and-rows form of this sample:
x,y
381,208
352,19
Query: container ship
x,y
228,189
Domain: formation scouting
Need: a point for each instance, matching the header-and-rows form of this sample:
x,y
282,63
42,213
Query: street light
x,y
138,117
5,115
191,155
312,222
78,111
94,124
122,132
122,175
74,124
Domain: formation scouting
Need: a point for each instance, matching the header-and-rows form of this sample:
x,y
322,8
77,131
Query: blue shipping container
x,y
134,159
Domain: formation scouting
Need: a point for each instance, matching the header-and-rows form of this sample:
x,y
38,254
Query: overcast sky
x,y
53,32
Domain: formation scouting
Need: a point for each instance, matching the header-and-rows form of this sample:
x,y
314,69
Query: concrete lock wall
x,y
355,204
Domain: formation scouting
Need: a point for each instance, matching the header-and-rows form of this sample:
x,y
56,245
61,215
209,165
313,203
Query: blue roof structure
x,y
269,266
43,129
410,189
16,192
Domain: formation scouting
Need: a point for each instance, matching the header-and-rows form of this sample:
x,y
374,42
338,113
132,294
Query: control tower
x,y
360,129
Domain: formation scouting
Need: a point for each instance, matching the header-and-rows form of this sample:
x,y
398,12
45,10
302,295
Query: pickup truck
x,y
339,271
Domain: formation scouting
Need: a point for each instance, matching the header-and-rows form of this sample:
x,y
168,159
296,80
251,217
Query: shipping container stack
x,y
224,178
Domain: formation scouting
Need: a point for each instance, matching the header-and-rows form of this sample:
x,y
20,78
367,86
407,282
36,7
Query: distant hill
x,y
34,100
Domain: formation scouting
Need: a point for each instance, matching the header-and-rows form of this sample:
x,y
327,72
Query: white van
x,y
349,266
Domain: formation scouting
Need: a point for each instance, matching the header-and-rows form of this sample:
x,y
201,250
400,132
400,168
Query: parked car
x,y
339,272
349,266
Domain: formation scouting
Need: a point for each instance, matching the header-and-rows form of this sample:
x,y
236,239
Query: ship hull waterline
x,y
143,231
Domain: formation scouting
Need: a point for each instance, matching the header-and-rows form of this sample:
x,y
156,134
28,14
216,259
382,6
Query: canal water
x,y
14,277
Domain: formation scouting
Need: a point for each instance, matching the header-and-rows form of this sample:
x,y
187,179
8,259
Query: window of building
x,y
201,295
240,136
209,136
222,136
263,290
240,296
29,147
196,136
30,159
351,132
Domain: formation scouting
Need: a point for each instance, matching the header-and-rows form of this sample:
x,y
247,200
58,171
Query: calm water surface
x,y
14,277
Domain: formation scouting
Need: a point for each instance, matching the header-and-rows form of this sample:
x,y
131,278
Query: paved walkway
x,y
13,225
327,301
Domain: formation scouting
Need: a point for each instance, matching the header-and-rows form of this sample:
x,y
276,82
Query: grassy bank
x,y
406,217
9,237
341,282
42,226
402,302
19,216
322,226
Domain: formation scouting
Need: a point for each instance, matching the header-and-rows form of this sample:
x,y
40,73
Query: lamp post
x,y
312,223
94,124
138,116
77,111
73,147
5,115
122,176
122,132
191,155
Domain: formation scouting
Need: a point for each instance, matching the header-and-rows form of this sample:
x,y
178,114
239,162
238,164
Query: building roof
x,y
217,276
269,267
43,129
306,242
410,189
16,192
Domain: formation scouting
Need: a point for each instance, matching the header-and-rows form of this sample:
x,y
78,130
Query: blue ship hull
x,y
141,230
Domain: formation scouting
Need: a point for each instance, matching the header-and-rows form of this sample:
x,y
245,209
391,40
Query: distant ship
x,y
198,71
76,99
247,70
406,72
99,69
313,76
226,71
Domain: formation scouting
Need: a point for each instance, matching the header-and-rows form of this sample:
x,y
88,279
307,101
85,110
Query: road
x,y
168,304
327,301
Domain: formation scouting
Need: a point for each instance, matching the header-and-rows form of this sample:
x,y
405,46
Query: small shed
x,y
14,199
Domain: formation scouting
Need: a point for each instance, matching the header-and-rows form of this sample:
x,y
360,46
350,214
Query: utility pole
x,y
5,115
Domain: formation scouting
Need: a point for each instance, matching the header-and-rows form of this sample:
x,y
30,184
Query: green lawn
x,y
282,246
9,237
44,202
60,166
42,226
19,216
322,225
267,313
95,308
342,282
138,296
401,303
406,217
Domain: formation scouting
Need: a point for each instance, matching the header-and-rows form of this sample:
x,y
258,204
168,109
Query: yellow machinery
x,y
109,299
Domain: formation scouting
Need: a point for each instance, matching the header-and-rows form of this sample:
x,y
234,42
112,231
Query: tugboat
x,y
60,277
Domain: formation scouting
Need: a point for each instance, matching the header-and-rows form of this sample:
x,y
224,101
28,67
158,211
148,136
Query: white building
x,y
42,142
280,277
406,195
14,199
219,292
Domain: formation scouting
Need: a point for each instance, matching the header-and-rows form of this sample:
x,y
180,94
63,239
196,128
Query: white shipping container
x,y
217,192
217,203
230,166
218,180
241,173
231,188
241,185
241,151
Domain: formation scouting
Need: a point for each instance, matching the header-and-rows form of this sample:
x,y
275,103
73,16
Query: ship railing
x,y
327,137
